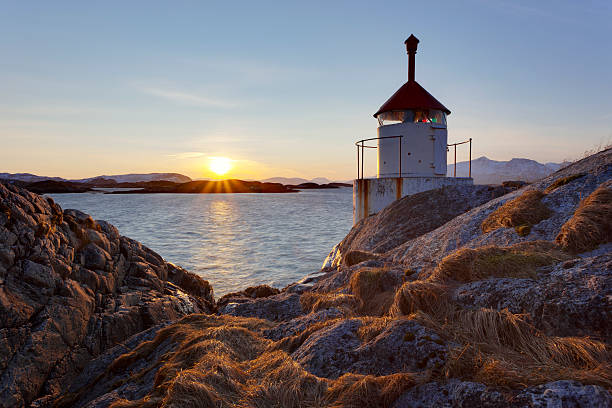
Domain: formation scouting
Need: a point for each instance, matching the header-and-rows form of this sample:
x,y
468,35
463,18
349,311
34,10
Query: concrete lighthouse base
x,y
372,195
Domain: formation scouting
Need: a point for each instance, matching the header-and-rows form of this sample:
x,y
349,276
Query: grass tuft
x,y
315,301
365,391
374,288
355,257
526,209
563,181
427,296
523,230
517,261
591,224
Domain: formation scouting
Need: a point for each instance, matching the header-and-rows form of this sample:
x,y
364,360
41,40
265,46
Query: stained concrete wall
x,y
372,195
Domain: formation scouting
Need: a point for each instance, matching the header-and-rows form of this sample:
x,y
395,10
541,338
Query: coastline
x,y
409,307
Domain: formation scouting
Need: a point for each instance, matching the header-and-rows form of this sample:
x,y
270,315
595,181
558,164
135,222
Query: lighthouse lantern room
x,y
411,146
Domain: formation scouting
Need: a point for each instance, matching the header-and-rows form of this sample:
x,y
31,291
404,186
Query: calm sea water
x,y
231,240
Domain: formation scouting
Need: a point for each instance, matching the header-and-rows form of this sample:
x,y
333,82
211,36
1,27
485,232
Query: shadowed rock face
x,y
71,288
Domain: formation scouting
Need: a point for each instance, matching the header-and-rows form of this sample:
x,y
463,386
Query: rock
x,y
400,345
98,395
558,394
574,299
298,324
71,288
564,394
425,251
252,292
80,306
281,307
452,394
409,218
514,184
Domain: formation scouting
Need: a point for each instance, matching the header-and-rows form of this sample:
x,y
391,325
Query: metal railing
x,y
361,146
470,160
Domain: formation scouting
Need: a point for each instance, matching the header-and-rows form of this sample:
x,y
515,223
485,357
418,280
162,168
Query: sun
x,y
220,165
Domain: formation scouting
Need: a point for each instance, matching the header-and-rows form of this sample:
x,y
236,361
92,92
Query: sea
x,y
231,240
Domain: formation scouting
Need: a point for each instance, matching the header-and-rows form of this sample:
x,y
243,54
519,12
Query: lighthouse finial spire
x,y
411,47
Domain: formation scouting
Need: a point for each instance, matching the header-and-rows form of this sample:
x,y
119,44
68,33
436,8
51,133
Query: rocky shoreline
x,y
461,297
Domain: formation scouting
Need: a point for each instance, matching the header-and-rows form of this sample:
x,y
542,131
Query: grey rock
x,y
281,307
298,324
402,345
453,394
564,394
575,298
409,218
72,288
425,251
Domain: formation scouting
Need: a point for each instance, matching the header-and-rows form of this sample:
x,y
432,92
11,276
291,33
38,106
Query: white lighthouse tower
x,y
411,146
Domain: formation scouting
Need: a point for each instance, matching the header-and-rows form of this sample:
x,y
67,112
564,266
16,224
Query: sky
x,y
286,88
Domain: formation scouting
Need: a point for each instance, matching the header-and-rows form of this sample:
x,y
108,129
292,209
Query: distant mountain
x,y
487,171
296,180
320,180
27,177
138,178
117,178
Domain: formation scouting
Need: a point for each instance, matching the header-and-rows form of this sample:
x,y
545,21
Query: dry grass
x,y
220,362
563,181
355,257
315,301
291,343
517,261
526,209
427,296
374,288
365,391
502,349
591,224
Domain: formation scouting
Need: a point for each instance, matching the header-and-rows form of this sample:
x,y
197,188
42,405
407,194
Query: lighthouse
x,y
411,147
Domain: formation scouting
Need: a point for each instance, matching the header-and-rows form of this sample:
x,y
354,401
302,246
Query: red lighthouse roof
x,y
411,95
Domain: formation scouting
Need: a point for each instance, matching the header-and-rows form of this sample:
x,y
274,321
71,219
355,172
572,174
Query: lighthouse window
x,y
430,116
389,118
412,116
436,116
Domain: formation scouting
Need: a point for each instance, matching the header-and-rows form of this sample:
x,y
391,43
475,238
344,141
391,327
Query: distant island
x,y
206,187
156,183
484,171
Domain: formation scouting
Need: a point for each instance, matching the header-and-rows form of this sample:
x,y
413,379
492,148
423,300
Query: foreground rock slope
x,y
486,298
70,289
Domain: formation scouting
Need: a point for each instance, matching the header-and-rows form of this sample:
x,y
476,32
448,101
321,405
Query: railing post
x,y
455,172
362,149
357,162
470,172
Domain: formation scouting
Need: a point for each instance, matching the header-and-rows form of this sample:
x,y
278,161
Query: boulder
x,y
377,347
574,299
408,218
71,288
281,307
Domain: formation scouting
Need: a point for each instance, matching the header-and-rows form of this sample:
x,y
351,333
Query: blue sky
x,y
285,88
